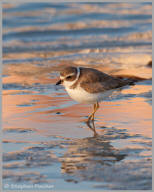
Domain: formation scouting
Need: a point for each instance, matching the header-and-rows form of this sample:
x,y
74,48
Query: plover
x,y
89,86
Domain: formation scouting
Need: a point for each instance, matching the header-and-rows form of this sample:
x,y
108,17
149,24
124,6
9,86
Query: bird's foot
x,y
88,122
95,134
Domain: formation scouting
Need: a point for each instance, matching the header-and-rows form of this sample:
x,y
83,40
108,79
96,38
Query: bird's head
x,y
68,76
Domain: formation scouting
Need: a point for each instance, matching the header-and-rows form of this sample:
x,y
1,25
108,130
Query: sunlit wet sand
x,y
46,139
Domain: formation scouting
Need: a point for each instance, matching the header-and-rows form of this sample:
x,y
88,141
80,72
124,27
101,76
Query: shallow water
x,y
45,139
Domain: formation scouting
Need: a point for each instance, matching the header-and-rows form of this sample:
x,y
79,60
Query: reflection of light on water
x,y
44,108
38,42
87,153
97,159
130,112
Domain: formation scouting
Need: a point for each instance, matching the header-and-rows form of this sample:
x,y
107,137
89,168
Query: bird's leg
x,y
92,128
96,107
91,117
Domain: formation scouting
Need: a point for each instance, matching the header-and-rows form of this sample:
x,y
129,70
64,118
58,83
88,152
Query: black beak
x,y
59,82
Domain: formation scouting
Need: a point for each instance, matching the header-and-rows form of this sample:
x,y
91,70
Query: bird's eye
x,y
68,77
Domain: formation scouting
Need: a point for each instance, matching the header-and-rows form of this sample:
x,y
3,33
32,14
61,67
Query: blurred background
x,y
45,140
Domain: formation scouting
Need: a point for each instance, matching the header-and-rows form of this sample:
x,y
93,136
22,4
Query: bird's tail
x,y
130,79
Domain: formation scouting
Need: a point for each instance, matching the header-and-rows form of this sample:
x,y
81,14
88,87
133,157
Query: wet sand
x,y
45,138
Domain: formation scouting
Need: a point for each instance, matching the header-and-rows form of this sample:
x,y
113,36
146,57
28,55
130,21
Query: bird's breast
x,y
82,96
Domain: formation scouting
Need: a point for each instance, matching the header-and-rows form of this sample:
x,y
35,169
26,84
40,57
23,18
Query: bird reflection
x,y
92,127
89,153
